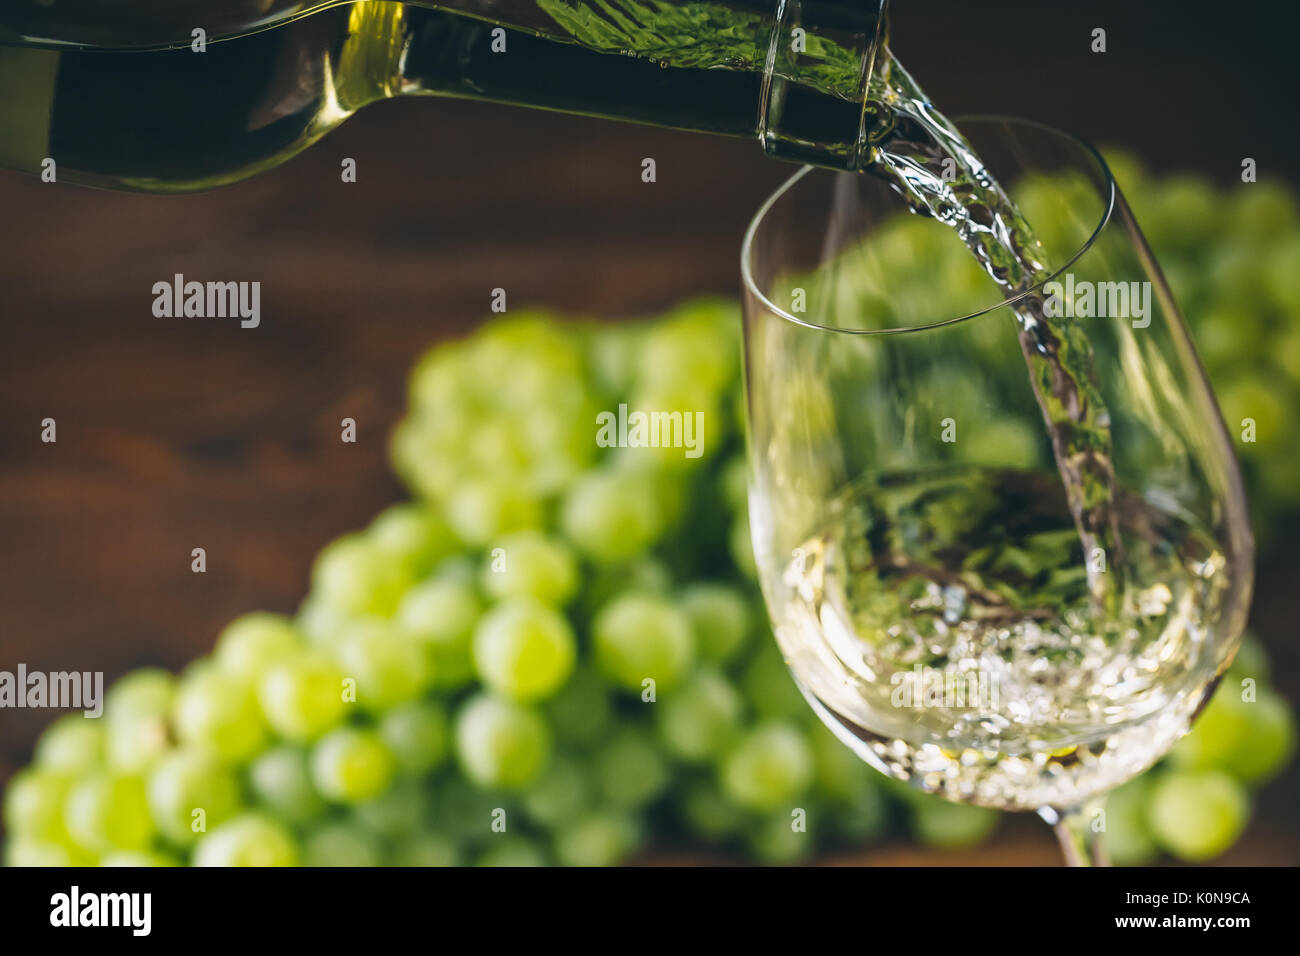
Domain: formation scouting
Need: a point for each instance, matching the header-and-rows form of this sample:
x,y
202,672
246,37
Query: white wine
x,y
943,625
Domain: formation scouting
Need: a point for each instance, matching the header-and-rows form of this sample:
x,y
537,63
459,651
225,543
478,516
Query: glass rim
x,y
751,286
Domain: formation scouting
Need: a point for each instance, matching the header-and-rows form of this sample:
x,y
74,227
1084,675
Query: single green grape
x,y
600,839
280,781
398,811
388,667
709,813
341,844
630,771
189,793
782,838
1197,815
356,577
73,744
939,823
524,650
416,733
218,712
581,711
469,813
302,698
107,812
512,851
643,637
768,769
1128,839
147,692
25,852
351,765
531,564
1270,739
415,534
1222,729
721,619
483,508
252,643
440,614
135,742
612,515
561,795
698,720
501,744
33,804
250,839
427,849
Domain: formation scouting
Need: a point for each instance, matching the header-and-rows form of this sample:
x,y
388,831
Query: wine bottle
x,y
150,99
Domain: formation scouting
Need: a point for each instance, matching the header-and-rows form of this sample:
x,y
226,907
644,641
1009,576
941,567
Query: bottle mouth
x,y
1106,190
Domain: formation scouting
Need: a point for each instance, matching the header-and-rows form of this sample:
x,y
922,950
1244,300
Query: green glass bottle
x,y
168,96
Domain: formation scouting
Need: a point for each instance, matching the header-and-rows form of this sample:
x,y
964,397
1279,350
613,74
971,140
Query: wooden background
x,y
174,434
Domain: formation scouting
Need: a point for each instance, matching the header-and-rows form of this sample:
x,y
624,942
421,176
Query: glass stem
x,y
1081,831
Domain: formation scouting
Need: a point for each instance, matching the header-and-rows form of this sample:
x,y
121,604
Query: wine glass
x,y
954,601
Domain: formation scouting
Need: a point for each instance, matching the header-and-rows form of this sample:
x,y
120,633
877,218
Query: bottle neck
x,y
795,77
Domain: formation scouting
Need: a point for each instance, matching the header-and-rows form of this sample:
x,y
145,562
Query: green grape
x,y
188,793
721,619
1128,841
217,712
33,804
862,821
1222,729
73,744
1181,213
701,718
302,698
351,765
778,839
252,643
321,623
735,483
670,429
25,851
769,769
596,840
580,712
483,508
414,534
770,689
709,813
135,858
441,377
250,839
107,812
696,345
612,515
524,650
1265,209
468,813
561,795
396,812
440,614
341,844
501,744
512,851
612,355
1198,815
280,781
135,742
643,636
389,668
147,692
951,826
530,564
426,849
356,577
741,547
1270,740
630,771
1251,661
416,733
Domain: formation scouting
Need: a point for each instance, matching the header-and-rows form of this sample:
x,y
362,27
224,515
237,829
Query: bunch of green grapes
x,y
556,653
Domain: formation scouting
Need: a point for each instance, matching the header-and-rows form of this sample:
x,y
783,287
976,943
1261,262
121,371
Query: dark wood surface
x,y
183,433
